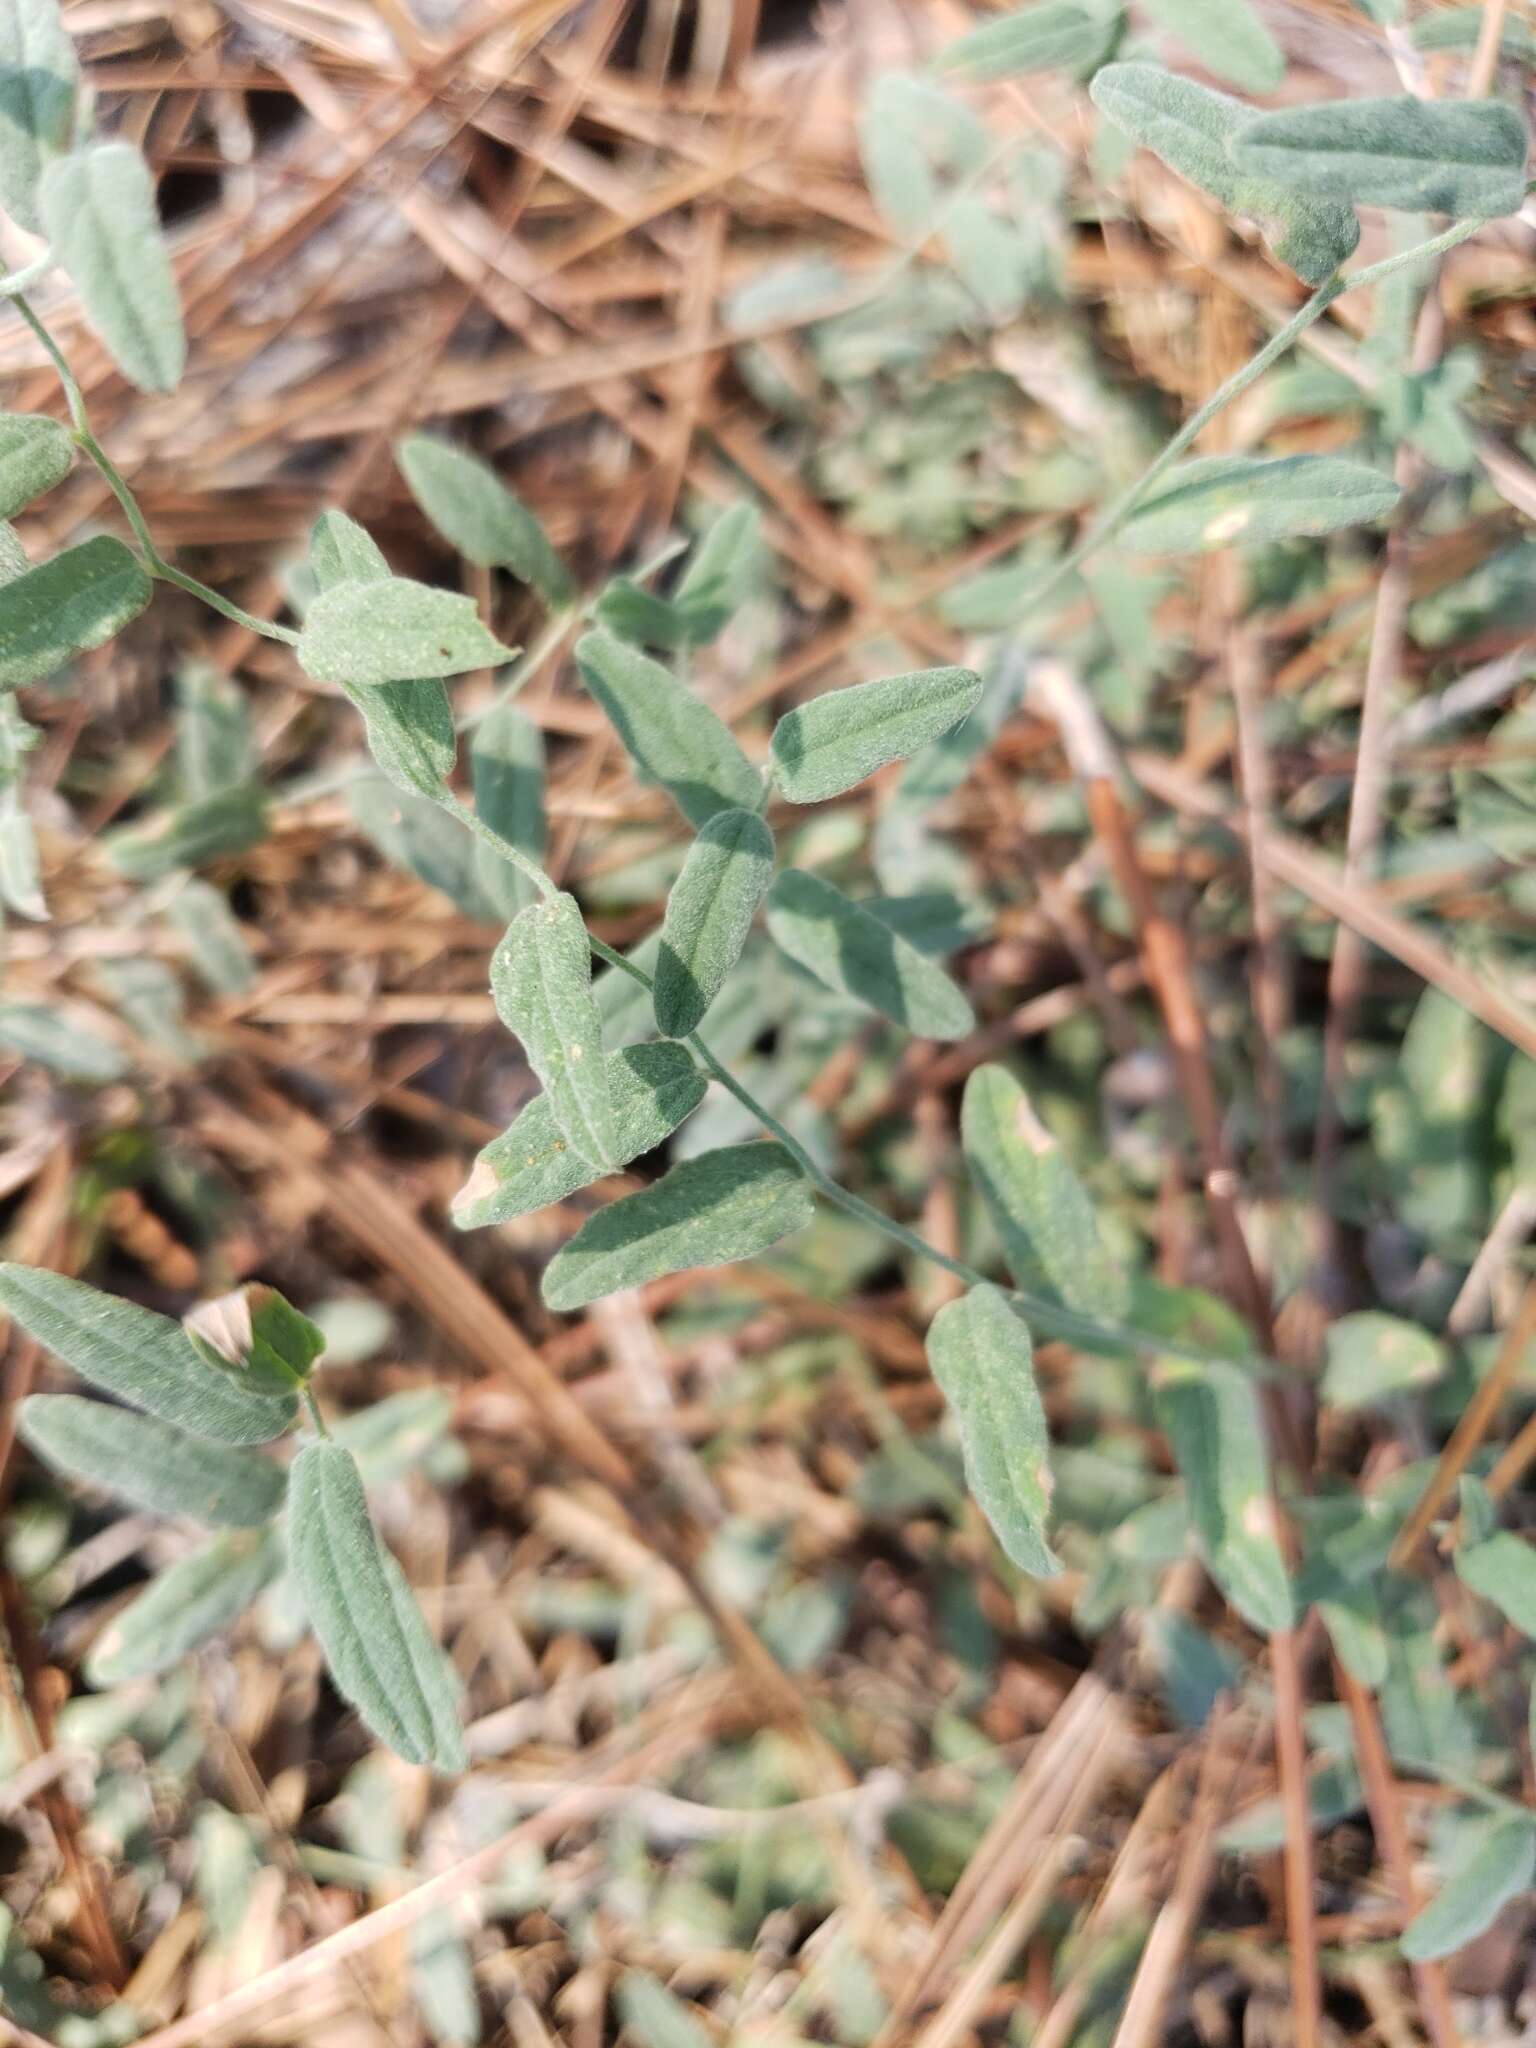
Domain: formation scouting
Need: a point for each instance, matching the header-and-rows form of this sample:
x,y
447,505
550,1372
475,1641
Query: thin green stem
x,y
314,1410
471,820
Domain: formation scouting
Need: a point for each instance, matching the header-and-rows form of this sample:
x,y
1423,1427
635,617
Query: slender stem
x,y
314,1410
470,819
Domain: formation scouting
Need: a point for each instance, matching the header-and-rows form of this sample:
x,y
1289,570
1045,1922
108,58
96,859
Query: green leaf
x,y
151,1464
914,137
1054,35
826,746
541,978
98,209
443,1981
1502,1569
637,614
1037,1203
409,722
709,914
670,736
980,1353
1193,130
718,573
214,936
1225,37
1372,1356
506,763
184,1606
857,954
1500,1868
56,1040
35,453
1211,1415
39,78
479,517
68,606
20,869
709,1211
1465,158
1218,500
378,1647
139,1356
370,631
652,1087
216,828
655,2016
215,748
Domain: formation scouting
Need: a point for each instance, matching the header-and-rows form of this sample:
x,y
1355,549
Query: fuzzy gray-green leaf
x,y
409,722
39,77
1502,1568
380,1652
1193,130
473,510
1217,501
139,1356
1042,1215
1226,38
1052,35
506,765
980,1352
57,1039
1465,158
367,631
35,454
67,606
860,956
1501,1866
1211,1415
719,569
826,746
185,1605
532,1164
671,737
541,978
709,914
151,1464
710,1211
98,209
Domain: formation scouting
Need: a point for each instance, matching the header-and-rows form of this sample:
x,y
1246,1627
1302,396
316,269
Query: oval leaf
x,y
68,606
409,722
652,1087
824,747
150,1464
35,454
98,209
670,736
39,77
59,1041
184,1606
378,1647
710,1211
1461,157
480,518
366,632
709,914
1193,130
860,956
1044,1219
1499,1869
980,1353
1211,1415
1225,37
139,1356
541,978
1055,35
1502,1568
506,765
719,570
1217,500
1373,1356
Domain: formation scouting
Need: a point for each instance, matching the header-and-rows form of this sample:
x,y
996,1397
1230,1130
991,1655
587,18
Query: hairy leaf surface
x,y
185,1605
376,1643
710,1211
366,632
1461,157
671,737
67,606
475,512
39,77
98,209
826,746
709,914
151,1464
980,1352
139,1356
859,955
1216,501
35,454
541,978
